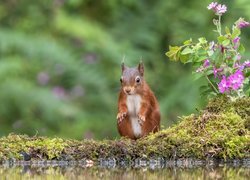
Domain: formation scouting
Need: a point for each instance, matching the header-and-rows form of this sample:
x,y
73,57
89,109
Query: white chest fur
x,y
133,105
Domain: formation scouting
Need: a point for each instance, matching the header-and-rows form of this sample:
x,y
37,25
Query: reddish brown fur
x,y
149,106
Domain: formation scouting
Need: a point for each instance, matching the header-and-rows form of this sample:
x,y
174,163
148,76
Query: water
x,y
140,169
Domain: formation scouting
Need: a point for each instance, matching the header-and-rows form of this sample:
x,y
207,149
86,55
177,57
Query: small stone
x,y
26,156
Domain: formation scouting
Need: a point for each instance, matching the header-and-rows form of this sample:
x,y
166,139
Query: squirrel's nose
x,y
128,91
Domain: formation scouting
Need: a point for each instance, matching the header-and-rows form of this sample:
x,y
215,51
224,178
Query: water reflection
x,y
98,172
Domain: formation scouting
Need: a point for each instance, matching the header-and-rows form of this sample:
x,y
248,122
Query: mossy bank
x,y
221,130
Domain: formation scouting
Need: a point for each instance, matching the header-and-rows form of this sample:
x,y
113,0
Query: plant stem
x,y
219,25
212,85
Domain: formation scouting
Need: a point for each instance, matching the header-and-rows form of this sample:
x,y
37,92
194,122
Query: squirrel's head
x,y
132,79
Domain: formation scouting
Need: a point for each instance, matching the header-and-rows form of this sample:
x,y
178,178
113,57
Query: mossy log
x,y
221,130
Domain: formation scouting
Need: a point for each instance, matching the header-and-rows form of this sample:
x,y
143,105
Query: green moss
x,y
220,131
39,147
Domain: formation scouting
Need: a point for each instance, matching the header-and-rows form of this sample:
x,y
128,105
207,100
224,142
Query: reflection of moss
x,y
221,131
41,172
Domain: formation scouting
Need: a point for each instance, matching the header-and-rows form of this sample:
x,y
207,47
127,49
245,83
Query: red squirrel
x,y
138,109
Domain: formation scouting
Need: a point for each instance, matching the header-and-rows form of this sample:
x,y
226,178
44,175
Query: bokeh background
x,y
60,60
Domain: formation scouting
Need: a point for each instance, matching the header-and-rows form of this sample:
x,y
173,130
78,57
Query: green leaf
x,y
210,52
211,95
173,53
246,88
185,58
241,49
202,40
205,90
236,32
187,50
209,72
227,30
197,75
202,52
221,39
226,42
246,81
247,74
215,56
187,42
197,47
201,58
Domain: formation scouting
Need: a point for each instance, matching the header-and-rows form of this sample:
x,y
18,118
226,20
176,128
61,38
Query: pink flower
x,y
238,57
212,5
236,40
219,9
236,65
236,80
223,85
247,63
239,66
206,63
216,71
233,82
243,24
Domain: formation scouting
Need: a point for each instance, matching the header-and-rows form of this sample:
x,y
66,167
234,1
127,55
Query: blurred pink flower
x,y
59,92
59,69
90,58
77,91
43,78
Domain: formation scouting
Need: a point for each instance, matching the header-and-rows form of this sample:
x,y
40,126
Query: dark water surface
x,y
109,170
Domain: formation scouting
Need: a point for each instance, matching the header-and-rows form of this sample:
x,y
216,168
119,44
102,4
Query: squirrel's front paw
x,y
141,119
121,116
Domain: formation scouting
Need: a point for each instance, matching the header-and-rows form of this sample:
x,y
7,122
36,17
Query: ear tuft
x,y
123,66
141,68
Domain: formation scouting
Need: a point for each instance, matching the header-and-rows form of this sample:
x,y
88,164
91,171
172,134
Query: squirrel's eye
x,y
137,79
121,79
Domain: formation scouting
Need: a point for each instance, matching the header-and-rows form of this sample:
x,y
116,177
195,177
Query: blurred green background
x,y
60,60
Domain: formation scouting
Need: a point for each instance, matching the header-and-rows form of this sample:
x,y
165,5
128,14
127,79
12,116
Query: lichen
x,y
221,130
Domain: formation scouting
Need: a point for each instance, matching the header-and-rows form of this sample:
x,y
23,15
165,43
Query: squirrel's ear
x,y
141,68
123,66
